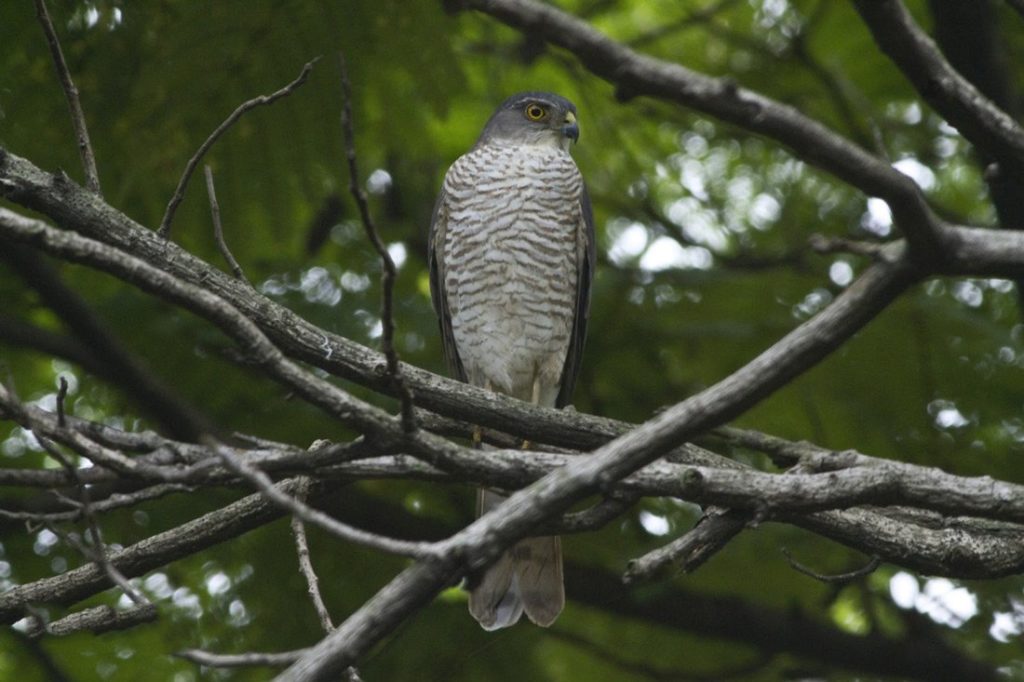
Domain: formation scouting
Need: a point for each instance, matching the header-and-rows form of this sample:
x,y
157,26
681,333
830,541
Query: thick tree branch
x,y
484,539
864,479
97,620
153,552
689,551
16,332
304,512
101,351
949,93
22,182
778,630
634,74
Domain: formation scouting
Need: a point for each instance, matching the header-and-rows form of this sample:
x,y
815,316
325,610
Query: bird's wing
x,y
586,257
438,226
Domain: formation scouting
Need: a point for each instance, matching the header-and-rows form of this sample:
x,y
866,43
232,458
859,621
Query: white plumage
x,y
511,258
510,253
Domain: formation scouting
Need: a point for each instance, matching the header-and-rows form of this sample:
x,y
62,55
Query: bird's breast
x,y
511,263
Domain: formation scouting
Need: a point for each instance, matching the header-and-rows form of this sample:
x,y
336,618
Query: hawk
x,y
511,263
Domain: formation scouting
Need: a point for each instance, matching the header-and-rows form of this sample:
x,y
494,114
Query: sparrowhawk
x,y
511,262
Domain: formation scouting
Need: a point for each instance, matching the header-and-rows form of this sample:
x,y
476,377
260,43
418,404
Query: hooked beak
x,y
571,129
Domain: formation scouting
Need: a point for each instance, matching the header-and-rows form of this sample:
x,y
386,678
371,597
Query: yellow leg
x,y
535,399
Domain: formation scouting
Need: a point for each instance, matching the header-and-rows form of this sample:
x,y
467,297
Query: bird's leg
x,y
535,400
478,432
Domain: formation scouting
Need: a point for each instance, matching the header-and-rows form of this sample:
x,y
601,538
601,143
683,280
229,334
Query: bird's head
x,y
533,118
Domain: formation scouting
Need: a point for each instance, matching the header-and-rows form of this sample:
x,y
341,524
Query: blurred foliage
x,y
703,234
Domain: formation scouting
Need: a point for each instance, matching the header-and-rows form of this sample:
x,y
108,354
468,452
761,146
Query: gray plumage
x,y
511,258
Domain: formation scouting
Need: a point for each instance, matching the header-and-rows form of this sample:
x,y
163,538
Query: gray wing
x,y
435,259
586,257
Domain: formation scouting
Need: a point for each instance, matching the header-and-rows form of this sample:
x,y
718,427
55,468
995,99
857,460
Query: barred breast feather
x,y
511,265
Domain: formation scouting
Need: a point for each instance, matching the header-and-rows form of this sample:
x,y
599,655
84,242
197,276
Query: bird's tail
x,y
527,578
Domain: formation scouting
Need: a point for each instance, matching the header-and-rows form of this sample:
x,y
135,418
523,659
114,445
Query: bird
x,y
511,256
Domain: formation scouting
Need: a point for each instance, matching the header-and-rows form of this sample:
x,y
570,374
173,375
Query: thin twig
x,y
834,579
388,270
62,393
115,501
1017,5
218,230
344,531
98,552
212,660
92,178
824,244
306,565
190,167
594,517
689,551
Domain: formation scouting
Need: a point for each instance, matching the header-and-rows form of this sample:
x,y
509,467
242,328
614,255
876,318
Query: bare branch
x,y
306,565
689,551
155,551
979,252
190,167
92,178
634,74
100,351
949,93
1017,5
204,302
97,552
251,659
388,270
824,244
597,516
103,456
98,619
838,578
114,501
306,513
218,230
484,539
62,393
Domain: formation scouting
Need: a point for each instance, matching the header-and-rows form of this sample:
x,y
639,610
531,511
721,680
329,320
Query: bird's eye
x,y
535,112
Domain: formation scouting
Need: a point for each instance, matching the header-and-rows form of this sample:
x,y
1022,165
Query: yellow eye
x,y
535,112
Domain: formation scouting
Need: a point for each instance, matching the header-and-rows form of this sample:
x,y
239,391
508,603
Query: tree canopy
x,y
792,453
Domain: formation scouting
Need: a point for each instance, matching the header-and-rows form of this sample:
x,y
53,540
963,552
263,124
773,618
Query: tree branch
x,y
483,540
155,551
306,564
97,620
190,167
92,177
949,93
102,352
634,74
246,660
218,230
304,512
388,271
